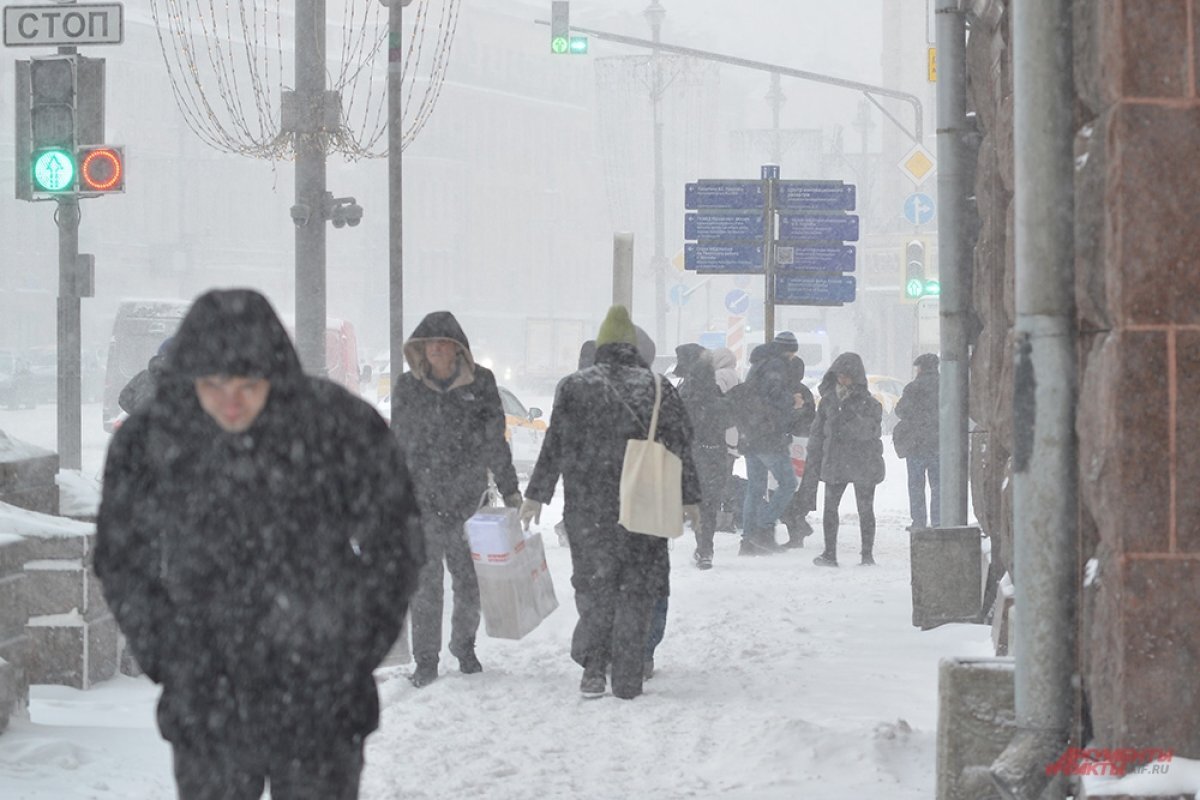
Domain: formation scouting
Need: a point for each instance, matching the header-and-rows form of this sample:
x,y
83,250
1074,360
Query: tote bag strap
x,y
657,403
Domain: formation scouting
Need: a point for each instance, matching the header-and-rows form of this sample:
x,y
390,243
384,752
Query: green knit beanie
x,y
617,327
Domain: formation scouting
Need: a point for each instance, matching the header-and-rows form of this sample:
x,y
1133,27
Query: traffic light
x,y
59,104
914,269
916,284
101,169
560,27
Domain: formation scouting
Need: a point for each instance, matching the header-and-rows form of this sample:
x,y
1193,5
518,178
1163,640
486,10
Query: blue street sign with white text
x,y
815,195
723,257
814,257
835,227
815,289
723,194
711,225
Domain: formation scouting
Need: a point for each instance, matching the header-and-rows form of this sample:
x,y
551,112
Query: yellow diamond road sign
x,y
918,164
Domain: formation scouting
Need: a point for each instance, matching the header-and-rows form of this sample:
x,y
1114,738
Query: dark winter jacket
x,y
918,413
258,576
802,418
763,406
451,436
596,411
705,404
845,444
140,389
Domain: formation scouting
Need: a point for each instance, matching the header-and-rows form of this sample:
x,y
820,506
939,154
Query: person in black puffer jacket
x,y
847,435
447,415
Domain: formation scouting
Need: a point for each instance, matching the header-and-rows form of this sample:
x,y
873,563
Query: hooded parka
x,y
258,576
845,444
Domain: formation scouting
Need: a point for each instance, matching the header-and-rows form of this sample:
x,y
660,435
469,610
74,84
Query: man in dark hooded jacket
x,y
257,542
596,411
848,449
916,440
140,389
447,414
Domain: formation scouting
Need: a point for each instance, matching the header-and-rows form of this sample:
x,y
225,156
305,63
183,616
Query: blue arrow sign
x,y
836,227
737,302
814,257
723,257
815,195
712,225
724,194
817,289
918,208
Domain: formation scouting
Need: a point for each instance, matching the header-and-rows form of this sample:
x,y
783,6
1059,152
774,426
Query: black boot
x,y
468,663
426,673
594,682
868,548
765,539
798,528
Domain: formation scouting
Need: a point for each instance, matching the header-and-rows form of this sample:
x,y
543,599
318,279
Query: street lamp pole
x,y
654,14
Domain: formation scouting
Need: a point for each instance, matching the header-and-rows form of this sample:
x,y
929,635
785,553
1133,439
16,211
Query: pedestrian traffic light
x,y
101,169
914,269
560,27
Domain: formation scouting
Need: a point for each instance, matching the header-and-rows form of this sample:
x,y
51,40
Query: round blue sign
x,y
737,302
918,208
677,295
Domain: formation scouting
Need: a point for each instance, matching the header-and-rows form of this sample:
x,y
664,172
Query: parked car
x,y
524,428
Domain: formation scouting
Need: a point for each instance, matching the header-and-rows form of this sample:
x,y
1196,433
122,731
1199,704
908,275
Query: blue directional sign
x,y
723,257
713,225
815,195
678,295
835,227
724,194
737,302
819,289
918,208
814,257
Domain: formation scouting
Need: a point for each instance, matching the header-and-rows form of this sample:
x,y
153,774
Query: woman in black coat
x,y
709,415
847,444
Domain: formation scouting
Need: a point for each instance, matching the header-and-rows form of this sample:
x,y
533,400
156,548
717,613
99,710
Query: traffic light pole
x,y
395,191
310,185
654,14
70,436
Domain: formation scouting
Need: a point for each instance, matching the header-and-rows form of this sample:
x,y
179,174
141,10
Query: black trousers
x,y
864,495
446,541
217,773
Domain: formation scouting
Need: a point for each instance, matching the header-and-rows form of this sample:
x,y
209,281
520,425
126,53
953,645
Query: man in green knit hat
x,y
618,575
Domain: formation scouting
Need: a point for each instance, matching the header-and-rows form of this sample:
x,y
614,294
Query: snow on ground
x,y
777,679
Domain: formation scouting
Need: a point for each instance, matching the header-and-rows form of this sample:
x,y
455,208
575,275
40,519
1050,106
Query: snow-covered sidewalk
x,y
777,679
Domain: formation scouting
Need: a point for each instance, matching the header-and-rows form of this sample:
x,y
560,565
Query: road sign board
x,y
918,208
723,194
815,258
737,302
723,257
64,25
815,289
918,164
815,195
678,295
711,340
769,172
819,227
715,225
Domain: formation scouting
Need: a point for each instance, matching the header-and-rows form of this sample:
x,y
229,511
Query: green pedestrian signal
x,y
914,288
53,171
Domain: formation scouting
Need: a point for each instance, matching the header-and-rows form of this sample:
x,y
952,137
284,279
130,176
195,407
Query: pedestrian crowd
x,y
263,533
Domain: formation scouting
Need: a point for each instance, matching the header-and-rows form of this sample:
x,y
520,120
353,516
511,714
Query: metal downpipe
x,y
1045,479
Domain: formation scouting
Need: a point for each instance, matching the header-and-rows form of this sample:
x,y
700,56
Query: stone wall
x,y
1138,288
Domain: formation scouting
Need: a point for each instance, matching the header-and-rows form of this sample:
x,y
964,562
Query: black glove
x,y
513,500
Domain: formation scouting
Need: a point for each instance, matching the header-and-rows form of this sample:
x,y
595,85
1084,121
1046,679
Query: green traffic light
x,y
579,45
933,288
914,288
559,45
54,171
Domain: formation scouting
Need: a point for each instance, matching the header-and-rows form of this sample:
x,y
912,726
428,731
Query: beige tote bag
x,y
652,483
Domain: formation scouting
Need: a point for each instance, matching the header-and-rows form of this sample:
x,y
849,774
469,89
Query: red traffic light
x,y
101,169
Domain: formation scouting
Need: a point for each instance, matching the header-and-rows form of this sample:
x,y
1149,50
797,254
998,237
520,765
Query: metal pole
x,y
622,290
69,392
70,447
769,252
955,265
776,98
395,192
654,14
1045,477
310,185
